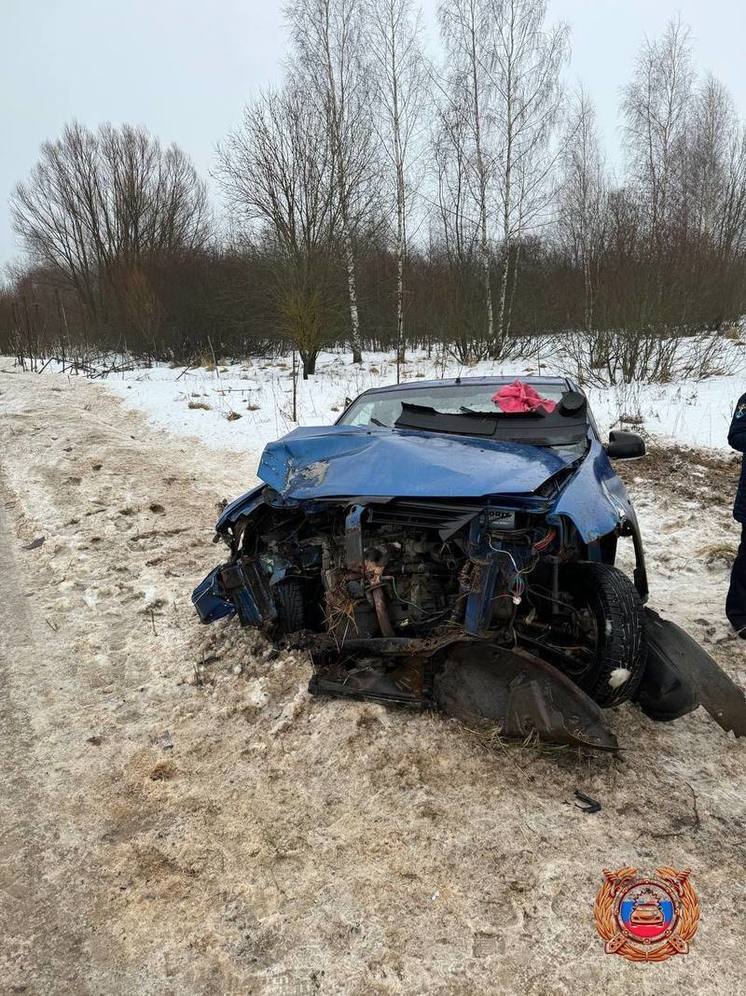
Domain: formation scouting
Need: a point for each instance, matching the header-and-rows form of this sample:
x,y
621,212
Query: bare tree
x,y
456,241
656,108
707,141
731,232
277,171
582,195
328,37
715,173
399,75
98,203
467,29
524,66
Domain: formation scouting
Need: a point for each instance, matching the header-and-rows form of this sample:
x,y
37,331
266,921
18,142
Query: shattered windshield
x,y
471,409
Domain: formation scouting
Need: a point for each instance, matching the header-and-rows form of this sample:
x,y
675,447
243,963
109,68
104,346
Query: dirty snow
x,y
179,816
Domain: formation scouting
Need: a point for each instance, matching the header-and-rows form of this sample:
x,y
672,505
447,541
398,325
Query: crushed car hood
x,y
331,461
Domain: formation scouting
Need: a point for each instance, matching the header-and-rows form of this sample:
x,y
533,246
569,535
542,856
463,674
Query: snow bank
x,y
243,406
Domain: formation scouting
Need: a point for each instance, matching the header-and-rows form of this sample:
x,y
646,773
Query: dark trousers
x,y
735,603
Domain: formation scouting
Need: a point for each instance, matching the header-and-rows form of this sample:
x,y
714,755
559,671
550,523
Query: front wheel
x,y
609,606
291,612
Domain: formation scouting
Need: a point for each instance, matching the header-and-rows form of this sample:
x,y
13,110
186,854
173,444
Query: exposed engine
x,y
381,572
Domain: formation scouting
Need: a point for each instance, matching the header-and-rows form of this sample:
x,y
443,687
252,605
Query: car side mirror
x,y
625,445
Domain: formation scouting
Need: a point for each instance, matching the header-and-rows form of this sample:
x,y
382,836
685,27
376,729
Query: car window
x,y
386,407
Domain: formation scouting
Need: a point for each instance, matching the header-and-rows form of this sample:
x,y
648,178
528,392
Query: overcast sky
x,y
184,68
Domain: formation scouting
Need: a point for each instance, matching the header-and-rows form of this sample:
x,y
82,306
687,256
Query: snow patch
x,y
150,597
90,598
618,677
255,694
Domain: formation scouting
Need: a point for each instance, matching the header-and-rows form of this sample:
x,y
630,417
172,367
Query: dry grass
x,y
718,554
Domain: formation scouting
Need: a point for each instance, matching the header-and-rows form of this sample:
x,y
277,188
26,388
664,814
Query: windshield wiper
x,y
375,421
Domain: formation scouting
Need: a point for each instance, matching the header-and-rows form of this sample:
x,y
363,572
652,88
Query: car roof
x,y
458,381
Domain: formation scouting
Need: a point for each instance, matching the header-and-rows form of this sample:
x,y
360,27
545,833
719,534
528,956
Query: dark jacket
x,y
737,439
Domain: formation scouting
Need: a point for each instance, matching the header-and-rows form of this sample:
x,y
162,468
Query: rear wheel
x,y
611,626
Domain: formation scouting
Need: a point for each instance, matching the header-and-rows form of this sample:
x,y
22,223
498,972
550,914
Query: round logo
x,y
646,919
646,911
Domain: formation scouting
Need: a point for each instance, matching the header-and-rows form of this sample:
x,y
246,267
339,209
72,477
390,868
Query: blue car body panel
x,y
594,499
208,599
345,461
243,505
330,462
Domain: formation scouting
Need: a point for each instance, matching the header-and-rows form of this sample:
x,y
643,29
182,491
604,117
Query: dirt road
x,y
177,816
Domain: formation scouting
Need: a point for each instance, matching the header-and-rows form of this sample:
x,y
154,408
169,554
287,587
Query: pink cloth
x,y
520,397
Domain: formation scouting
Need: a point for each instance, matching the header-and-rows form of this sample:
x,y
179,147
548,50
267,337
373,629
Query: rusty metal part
x,y
386,646
382,682
519,695
375,589
379,603
354,556
365,685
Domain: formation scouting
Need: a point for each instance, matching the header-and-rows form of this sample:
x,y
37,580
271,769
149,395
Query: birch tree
x,y
399,80
715,168
656,106
523,66
731,232
329,39
467,29
457,242
582,195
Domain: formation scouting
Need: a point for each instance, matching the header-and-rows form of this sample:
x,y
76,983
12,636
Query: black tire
x,y
291,612
619,631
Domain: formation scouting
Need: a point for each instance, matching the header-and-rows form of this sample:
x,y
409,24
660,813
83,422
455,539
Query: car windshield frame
x,y
416,408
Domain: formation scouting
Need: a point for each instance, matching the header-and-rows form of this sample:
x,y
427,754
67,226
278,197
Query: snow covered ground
x,y
180,816
243,406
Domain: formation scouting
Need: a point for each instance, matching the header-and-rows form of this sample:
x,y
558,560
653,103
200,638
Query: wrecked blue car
x,y
452,544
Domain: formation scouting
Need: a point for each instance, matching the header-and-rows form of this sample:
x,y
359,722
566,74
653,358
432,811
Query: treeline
x,y
380,200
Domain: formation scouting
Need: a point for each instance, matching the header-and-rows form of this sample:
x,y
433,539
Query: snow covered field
x,y
243,406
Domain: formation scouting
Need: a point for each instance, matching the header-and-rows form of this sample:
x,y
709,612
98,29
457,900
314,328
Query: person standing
x,y
735,603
